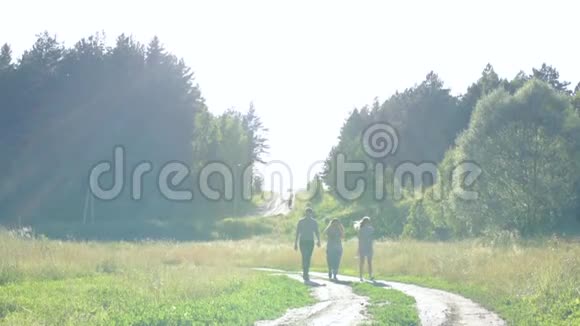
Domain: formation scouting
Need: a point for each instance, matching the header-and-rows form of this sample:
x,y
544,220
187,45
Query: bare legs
x,y
361,263
333,259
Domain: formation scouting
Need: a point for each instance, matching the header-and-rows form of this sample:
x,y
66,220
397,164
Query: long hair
x,y
360,224
336,224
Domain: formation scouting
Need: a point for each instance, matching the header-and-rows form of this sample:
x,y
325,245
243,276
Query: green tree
x,y
419,224
576,98
258,184
529,173
5,58
551,76
256,132
518,82
426,118
64,110
487,83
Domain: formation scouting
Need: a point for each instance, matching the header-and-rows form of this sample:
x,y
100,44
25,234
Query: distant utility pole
x,y
236,187
89,209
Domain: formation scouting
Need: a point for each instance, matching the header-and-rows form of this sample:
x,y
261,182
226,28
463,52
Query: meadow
x,y
46,281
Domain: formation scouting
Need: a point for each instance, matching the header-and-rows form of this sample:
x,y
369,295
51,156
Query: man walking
x,y
306,229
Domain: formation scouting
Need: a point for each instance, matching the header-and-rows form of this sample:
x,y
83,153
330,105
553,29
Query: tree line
x,y
524,134
64,109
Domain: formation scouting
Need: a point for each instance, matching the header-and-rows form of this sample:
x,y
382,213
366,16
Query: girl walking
x,y
365,245
334,233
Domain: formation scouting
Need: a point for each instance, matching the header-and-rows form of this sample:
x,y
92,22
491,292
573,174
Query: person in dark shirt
x,y
306,230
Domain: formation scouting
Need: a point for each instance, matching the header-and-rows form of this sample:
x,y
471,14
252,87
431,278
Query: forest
x,y
523,133
63,109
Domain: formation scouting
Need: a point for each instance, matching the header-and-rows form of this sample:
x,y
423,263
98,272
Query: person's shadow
x,y
349,283
380,284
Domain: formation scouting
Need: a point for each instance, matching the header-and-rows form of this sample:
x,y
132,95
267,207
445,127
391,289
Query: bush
x,y
241,228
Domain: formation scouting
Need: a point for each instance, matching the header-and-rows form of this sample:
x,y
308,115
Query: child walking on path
x,y
334,232
365,245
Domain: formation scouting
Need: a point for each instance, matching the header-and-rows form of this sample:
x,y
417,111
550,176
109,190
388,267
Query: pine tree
x,y
155,52
5,57
256,131
551,76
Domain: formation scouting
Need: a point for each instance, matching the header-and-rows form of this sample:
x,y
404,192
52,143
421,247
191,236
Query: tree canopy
x,y
522,133
63,110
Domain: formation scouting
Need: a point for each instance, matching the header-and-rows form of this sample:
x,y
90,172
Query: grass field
x,y
45,282
526,283
140,300
531,284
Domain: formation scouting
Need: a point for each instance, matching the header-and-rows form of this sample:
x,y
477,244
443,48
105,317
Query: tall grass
x,y
167,283
527,283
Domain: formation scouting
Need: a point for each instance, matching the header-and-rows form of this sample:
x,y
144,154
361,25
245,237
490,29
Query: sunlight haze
x,y
305,65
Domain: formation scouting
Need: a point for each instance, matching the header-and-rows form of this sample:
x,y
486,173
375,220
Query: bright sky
x,y
306,64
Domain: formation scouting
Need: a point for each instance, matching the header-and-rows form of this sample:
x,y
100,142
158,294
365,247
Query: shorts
x,y
365,252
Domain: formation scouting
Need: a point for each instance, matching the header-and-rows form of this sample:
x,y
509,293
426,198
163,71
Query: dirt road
x,y
275,206
339,306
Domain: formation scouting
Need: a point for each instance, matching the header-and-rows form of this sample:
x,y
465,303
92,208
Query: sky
x,y
306,64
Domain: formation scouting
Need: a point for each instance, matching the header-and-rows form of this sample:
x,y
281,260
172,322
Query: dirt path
x,y
438,307
274,207
338,303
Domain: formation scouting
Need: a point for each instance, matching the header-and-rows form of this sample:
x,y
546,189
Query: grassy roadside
x,y
387,306
526,283
554,308
106,300
48,282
